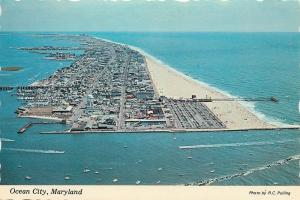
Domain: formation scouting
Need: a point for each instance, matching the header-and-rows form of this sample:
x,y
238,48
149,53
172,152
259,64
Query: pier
x,y
266,99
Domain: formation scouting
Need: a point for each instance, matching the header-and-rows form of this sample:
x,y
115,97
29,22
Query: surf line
x,y
233,144
250,171
35,151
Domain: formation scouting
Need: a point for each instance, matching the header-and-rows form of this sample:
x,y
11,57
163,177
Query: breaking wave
x,y
250,171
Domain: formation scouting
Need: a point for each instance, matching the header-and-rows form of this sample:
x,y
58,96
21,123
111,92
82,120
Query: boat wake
x,y
6,140
234,144
250,171
34,151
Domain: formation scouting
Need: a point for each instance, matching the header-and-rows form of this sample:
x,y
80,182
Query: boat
x,y
190,157
67,177
96,172
212,171
115,180
138,182
125,146
19,166
158,182
159,169
86,170
174,138
274,99
28,177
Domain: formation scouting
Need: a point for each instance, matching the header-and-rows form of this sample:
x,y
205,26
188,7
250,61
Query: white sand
x,y
170,83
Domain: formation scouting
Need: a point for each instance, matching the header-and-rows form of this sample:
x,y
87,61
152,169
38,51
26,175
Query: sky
x,y
151,15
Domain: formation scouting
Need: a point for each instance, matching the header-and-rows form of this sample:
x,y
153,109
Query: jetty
x,y
28,125
25,127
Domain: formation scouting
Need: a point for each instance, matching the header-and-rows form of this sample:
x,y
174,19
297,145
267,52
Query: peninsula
x,y
116,88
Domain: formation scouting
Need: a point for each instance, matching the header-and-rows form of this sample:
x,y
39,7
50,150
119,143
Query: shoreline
x,y
174,84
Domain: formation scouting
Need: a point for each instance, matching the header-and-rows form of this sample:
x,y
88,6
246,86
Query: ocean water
x,y
241,64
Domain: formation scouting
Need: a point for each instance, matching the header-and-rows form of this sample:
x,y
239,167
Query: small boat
x,y
211,163
96,172
174,138
28,177
274,99
139,161
115,180
159,169
275,183
158,182
125,146
19,166
67,177
137,182
86,170
212,171
190,157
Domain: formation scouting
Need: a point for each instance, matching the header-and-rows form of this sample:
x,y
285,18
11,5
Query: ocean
x,y
240,64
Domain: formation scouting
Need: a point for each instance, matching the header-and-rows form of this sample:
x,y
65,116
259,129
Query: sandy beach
x,y
41,117
170,83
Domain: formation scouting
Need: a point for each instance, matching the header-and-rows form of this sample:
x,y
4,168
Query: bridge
x,y
8,88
